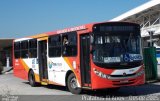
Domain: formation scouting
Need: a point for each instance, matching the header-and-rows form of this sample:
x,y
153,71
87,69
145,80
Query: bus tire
x,y
72,84
31,79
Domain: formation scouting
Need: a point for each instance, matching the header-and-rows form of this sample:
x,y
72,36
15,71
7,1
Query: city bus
x,y
91,56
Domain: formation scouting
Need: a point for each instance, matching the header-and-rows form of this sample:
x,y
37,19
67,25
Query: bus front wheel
x,y
72,84
31,79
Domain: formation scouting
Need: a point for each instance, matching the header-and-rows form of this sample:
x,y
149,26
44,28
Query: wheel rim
x,y
73,83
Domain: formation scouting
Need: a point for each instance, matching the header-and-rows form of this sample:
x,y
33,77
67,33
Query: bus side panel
x,y
19,70
22,66
58,67
75,67
32,63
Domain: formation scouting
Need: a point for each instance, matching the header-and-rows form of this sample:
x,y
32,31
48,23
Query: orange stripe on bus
x,y
24,65
37,77
44,38
39,35
27,70
71,67
68,62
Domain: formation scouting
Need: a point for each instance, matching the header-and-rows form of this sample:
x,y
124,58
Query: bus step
x,y
86,87
44,83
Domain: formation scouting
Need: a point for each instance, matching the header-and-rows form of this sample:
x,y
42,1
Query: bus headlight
x,y
100,74
140,73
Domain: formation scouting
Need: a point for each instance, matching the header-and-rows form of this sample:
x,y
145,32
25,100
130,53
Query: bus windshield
x,y
116,48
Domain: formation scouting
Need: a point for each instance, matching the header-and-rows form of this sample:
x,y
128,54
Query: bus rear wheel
x,y
72,84
31,79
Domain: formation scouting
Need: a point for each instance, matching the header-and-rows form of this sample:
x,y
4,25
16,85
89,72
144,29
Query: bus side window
x,y
65,45
17,50
69,44
32,48
24,49
55,46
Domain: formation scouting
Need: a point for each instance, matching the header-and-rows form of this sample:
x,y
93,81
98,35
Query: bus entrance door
x,y
42,57
85,60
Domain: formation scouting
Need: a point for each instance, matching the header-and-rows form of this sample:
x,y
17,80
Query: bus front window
x,y
116,48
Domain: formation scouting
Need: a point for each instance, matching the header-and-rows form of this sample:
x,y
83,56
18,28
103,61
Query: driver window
x,y
99,40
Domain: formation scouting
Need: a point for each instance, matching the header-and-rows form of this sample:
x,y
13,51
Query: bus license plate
x,y
124,81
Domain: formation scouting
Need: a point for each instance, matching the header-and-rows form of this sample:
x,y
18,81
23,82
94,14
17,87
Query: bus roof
x,y
71,29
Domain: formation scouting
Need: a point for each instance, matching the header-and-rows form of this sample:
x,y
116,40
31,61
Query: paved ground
x,y
10,85
16,86
6,69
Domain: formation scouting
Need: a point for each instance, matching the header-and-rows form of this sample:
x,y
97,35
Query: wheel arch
x,y
67,74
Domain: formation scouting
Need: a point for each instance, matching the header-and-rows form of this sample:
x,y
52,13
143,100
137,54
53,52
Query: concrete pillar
x,y
7,63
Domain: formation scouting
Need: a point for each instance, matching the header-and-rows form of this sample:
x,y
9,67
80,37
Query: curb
x,y
7,70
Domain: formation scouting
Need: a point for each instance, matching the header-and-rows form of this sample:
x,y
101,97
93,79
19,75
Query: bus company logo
x,y
124,74
50,64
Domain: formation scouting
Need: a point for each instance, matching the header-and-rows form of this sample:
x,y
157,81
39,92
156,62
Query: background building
x,y
148,16
6,51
